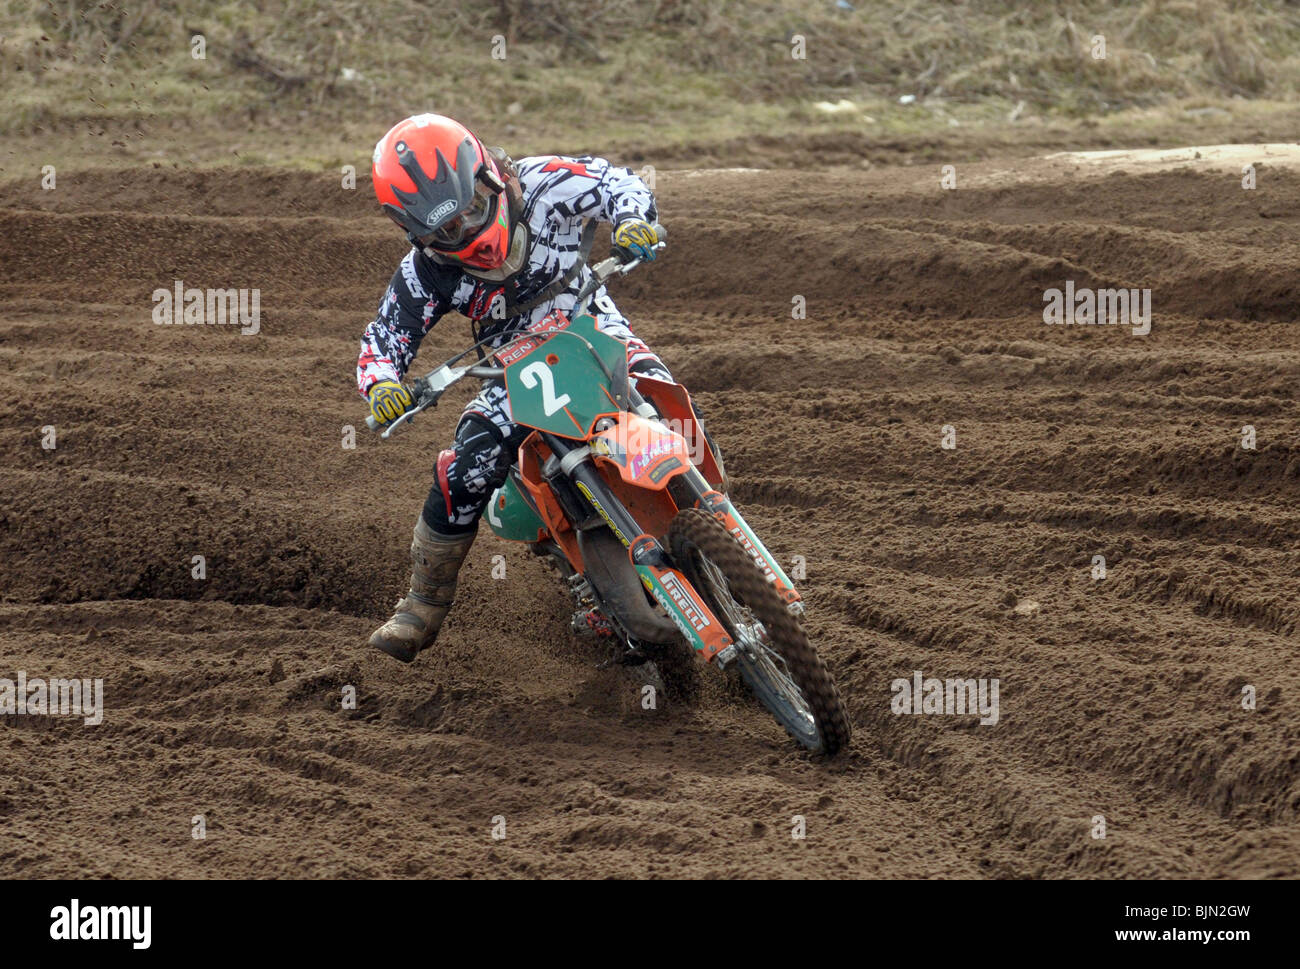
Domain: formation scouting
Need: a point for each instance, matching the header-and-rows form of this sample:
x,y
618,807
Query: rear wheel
x,y
775,658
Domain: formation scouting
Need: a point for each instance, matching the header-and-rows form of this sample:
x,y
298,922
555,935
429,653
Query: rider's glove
x,y
636,237
389,400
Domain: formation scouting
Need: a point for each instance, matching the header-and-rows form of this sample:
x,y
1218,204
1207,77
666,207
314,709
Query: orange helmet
x,y
436,181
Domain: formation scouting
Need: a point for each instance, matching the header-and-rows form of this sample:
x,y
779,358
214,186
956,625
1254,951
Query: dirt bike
x,y
607,489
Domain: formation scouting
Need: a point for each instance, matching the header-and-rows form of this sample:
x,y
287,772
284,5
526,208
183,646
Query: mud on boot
x,y
435,562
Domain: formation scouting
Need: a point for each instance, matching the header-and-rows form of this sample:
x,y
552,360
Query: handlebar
x,y
429,388
615,265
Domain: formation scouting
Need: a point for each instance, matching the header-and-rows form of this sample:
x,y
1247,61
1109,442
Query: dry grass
x,y
679,67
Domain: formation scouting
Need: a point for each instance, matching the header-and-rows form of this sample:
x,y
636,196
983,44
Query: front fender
x,y
647,454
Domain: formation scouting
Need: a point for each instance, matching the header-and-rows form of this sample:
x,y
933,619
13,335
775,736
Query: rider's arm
x,y
409,309
593,187
624,194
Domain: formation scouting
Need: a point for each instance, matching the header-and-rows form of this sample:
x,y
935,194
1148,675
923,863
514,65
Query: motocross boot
x,y
435,562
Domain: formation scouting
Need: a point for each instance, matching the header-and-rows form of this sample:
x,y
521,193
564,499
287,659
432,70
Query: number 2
x,y
537,372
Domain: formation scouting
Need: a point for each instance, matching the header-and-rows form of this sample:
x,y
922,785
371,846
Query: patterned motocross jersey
x,y
558,194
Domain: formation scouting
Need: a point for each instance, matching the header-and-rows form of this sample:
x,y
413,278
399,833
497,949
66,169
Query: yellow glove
x,y
636,237
389,400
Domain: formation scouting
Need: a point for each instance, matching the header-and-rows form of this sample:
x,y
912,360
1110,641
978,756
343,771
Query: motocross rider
x,y
505,243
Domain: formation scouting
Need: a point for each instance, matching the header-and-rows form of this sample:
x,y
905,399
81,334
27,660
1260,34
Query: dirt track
x,y
1119,697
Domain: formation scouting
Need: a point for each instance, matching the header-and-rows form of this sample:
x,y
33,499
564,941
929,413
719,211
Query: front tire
x,y
775,658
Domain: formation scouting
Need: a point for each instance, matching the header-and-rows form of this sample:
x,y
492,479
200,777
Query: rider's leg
x,y
435,562
641,360
465,477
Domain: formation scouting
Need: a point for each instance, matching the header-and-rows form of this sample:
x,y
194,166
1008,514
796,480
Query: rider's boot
x,y
435,562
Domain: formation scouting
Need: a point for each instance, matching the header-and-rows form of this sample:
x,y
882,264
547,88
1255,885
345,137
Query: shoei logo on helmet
x,y
445,208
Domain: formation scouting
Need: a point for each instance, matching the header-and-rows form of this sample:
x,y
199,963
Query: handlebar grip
x,y
624,256
373,424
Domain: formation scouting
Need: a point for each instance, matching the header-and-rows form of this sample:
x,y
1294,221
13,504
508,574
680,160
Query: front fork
x,y
692,490
720,507
669,587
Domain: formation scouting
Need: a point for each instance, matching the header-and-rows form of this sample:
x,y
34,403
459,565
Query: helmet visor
x,y
459,229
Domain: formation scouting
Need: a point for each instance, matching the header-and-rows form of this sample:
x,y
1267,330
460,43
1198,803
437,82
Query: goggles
x,y
459,230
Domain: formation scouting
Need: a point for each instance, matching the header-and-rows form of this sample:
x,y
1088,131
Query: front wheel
x,y
775,658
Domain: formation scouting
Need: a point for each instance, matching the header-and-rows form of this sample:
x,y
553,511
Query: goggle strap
x,y
491,179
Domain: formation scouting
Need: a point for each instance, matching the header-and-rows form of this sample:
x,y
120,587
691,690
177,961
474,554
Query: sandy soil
x,y
1119,697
